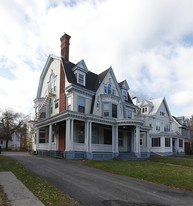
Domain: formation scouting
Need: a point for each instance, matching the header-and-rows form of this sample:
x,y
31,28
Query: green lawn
x,y
184,156
44,191
177,173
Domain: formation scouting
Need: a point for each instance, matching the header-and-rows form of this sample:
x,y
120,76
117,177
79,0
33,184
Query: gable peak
x,y
81,66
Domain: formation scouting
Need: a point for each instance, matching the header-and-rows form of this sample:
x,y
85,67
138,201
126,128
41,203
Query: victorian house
x,y
164,140
81,114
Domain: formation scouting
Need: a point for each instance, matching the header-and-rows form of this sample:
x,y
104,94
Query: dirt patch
x,y
3,198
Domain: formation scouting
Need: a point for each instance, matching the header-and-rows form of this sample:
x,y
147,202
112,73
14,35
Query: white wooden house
x,y
163,139
85,115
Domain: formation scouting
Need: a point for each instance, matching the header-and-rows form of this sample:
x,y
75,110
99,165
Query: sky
x,y
149,43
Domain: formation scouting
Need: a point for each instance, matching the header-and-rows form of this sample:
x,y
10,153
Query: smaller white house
x,y
183,126
13,144
163,139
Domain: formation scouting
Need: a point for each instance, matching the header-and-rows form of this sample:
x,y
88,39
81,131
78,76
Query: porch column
x,y
113,139
50,137
137,141
148,141
37,138
90,137
72,135
116,140
67,135
87,135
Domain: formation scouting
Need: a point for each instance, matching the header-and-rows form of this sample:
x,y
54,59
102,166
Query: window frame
x,y
109,110
81,106
167,142
154,142
181,143
69,103
157,126
114,113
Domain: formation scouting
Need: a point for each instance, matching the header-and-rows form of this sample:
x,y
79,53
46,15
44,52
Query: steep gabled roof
x,y
157,104
91,78
124,85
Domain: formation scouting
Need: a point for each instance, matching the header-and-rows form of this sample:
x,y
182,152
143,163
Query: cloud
x,y
149,43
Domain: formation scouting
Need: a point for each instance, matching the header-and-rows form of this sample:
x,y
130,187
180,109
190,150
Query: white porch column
x,y
90,137
137,140
72,135
37,138
148,141
87,135
50,137
113,139
116,140
67,135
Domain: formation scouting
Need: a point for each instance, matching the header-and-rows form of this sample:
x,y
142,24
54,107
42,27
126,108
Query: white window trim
x,y
77,75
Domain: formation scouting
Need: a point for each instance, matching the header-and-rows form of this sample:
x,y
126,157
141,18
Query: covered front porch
x,y
86,138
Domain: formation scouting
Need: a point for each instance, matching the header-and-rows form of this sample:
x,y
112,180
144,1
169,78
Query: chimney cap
x,y
65,35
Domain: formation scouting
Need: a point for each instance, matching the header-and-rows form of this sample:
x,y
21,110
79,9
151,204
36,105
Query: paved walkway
x,y
17,193
93,187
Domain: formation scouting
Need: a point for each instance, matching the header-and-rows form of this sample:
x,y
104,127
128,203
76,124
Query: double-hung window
x,y
124,94
80,78
109,110
106,109
180,143
157,126
69,99
167,142
81,104
129,114
156,142
114,110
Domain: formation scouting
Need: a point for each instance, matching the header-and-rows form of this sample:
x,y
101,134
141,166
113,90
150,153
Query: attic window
x,y
124,94
81,79
144,109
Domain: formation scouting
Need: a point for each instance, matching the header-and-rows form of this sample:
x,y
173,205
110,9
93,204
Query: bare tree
x,y
11,122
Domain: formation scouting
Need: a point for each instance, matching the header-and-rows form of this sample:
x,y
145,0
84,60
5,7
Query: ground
x,y
91,186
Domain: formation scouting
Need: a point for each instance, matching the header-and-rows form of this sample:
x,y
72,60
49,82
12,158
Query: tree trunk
x,y
7,141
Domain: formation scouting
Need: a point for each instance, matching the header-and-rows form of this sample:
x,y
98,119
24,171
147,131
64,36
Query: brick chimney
x,y
65,43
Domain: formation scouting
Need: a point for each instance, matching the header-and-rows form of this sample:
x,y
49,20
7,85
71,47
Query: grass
x,y
184,156
172,172
47,193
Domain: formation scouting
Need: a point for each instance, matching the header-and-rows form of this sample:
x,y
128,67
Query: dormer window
x,y
81,78
144,109
80,71
124,94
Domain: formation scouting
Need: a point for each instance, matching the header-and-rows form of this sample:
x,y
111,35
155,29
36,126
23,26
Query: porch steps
x,y
130,156
59,155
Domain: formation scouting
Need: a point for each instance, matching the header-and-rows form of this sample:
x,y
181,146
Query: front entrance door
x,y
129,142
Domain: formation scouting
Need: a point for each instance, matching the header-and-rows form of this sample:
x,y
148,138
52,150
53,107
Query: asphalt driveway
x,y
94,187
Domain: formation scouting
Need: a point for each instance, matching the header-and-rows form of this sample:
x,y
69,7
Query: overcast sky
x,y
149,43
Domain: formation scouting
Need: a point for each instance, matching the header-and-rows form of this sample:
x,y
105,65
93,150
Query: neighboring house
x,y
163,140
83,114
183,126
13,144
